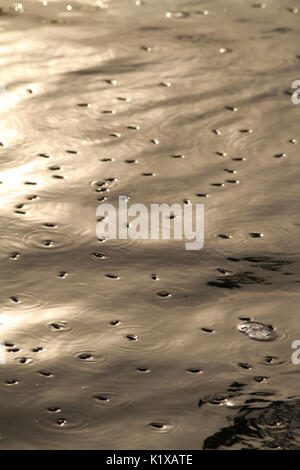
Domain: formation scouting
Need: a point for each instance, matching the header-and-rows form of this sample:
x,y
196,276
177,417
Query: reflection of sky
x,y
14,178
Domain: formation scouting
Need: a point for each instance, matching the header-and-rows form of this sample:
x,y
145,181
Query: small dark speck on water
x,y
132,337
61,422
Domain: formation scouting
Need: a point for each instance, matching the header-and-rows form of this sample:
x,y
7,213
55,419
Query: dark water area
x,y
99,98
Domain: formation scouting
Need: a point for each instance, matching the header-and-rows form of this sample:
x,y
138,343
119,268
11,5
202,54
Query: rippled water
x,y
106,362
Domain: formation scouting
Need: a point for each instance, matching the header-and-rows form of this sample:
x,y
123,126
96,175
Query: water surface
x,y
97,362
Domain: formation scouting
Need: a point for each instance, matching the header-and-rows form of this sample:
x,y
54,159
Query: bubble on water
x,y
84,356
160,427
224,271
166,84
220,400
280,155
54,167
146,48
144,370
202,12
60,326
89,356
59,177
25,301
260,378
102,190
245,365
99,255
208,330
61,422
293,10
164,294
59,241
123,98
256,234
272,360
257,331
44,155
111,81
54,409
12,381
24,360
47,242
46,373
177,14
17,7
111,399
50,225
99,184
131,337
224,50
195,371
62,274
102,398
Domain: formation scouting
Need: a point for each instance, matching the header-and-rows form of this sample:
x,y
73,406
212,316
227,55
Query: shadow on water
x,y
271,425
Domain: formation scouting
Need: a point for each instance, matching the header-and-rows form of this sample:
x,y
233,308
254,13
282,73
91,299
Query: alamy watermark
x,y
2,353
296,354
155,223
296,95
2,88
